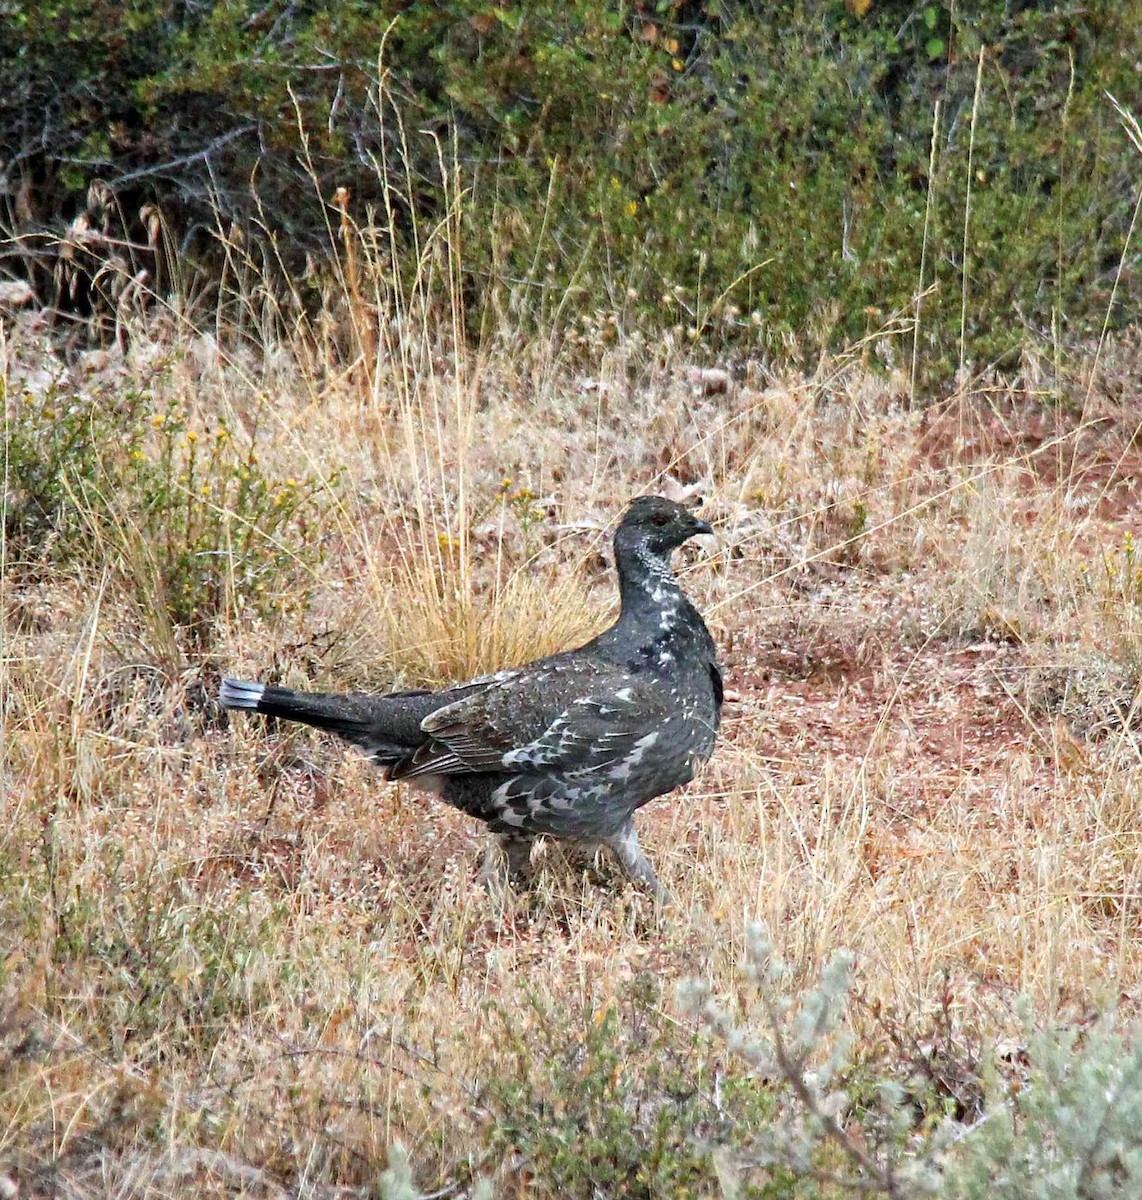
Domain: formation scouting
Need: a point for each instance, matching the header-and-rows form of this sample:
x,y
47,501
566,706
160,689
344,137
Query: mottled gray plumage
x,y
570,745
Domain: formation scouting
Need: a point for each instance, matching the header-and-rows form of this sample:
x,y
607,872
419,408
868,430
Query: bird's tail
x,y
340,714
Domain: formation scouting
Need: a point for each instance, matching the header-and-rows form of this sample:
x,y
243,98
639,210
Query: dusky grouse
x,y
570,745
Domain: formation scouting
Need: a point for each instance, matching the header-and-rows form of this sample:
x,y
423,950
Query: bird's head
x,y
657,525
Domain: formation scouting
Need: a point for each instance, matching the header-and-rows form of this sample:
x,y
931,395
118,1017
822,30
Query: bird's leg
x,y
626,848
509,859
516,849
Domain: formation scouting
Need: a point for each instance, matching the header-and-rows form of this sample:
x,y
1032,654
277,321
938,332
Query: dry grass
x,y
237,961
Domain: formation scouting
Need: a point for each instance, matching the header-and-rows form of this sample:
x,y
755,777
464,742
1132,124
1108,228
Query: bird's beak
x,y
702,526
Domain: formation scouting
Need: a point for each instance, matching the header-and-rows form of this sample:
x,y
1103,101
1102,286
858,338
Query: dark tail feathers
x,y
337,713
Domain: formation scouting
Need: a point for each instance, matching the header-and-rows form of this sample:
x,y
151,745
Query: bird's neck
x,y
649,592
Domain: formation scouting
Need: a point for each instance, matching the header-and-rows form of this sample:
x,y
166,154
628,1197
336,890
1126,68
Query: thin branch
x,y
205,152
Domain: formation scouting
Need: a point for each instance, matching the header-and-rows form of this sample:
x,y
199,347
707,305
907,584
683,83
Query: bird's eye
x,y
660,518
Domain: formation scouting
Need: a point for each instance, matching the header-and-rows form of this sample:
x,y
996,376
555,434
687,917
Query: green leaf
x,y
935,47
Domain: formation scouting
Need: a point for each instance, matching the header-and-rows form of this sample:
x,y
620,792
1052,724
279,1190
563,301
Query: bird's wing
x,y
571,715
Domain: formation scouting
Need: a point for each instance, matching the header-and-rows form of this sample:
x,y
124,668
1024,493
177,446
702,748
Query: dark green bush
x,y
749,172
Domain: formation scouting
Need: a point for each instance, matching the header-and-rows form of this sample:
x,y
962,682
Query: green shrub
x,y
758,175
613,1103
210,522
182,970
1065,1123
54,446
185,518
1072,1131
